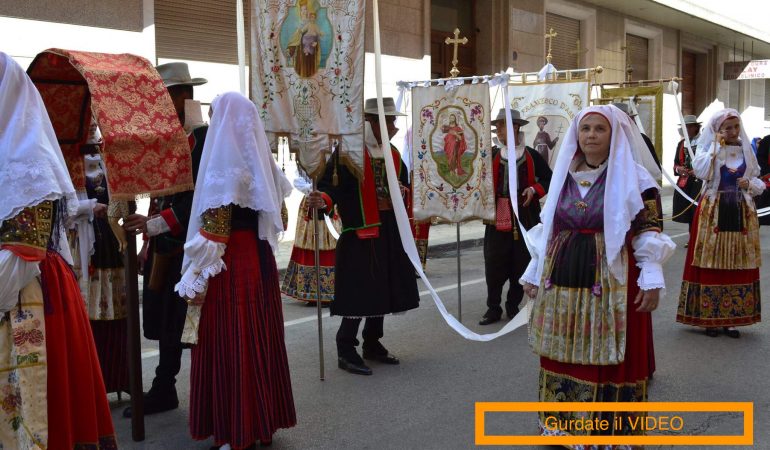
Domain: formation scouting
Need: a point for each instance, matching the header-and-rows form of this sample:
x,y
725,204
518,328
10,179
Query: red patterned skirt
x,y
240,389
717,297
624,382
78,412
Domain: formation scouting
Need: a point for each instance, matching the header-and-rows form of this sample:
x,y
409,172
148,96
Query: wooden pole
x,y
134,344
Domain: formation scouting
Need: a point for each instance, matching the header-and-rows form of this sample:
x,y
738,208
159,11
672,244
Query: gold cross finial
x,y
550,35
577,52
456,41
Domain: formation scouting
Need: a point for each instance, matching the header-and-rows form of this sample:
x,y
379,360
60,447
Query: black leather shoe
x,y
353,366
488,320
712,332
154,404
732,332
386,358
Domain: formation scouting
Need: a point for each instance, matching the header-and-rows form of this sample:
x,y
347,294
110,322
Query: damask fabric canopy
x,y
145,149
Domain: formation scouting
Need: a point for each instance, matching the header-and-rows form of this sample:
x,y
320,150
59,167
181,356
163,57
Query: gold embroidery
x,y
31,227
216,221
648,218
732,250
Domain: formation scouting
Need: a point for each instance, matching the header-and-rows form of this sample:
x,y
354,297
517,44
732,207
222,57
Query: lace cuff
x,y
157,225
756,187
205,262
530,274
652,250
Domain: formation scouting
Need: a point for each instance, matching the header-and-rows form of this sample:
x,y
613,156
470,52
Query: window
x,y
565,45
199,30
637,57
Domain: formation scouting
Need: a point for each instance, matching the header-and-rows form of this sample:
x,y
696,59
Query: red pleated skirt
x,y
110,337
78,411
240,389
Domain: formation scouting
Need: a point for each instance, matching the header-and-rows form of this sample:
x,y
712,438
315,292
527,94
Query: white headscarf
x,y
710,134
630,171
32,168
237,168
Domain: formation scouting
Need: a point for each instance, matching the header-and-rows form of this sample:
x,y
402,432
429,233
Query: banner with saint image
x,y
307,69
451,153
549,107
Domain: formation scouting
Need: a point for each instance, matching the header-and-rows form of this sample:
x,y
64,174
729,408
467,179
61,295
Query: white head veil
x,y
631,170
237,168
32,168
710,135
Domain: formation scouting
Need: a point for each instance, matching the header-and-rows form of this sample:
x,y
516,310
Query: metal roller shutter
x,y
199,30
565,43
638,57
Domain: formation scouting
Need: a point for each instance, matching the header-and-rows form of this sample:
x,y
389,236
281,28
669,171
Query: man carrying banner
x,y
373,275
163,310
505,253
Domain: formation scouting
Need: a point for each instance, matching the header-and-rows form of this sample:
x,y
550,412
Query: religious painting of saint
x,y
543,142
454,149
306,38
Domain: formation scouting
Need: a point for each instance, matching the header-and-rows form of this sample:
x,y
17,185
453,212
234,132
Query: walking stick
x,y
317,257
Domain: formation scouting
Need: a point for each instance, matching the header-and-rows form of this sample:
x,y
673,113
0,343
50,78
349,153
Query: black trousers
x,y
505,259
163,320
348,331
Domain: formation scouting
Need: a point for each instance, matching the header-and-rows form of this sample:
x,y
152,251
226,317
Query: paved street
x,y
428,401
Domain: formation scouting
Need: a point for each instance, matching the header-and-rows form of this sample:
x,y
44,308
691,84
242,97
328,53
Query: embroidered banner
x,y
549,107
307,66
451,153
145,148
649,106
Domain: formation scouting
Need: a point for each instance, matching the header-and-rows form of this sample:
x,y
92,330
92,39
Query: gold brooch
x,y
581,205
585,183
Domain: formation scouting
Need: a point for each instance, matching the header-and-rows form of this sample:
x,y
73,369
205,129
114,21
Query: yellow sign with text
x,y
669,423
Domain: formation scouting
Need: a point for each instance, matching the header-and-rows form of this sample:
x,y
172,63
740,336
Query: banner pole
x,y
459,280
317,257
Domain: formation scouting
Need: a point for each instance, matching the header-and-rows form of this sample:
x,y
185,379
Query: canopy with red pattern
x,y
145,149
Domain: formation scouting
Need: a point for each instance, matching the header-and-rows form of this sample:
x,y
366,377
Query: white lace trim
x,y
191,289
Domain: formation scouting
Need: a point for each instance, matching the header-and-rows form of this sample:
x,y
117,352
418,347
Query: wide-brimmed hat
x,y
623,107
370,107
177,74
691,120
515,117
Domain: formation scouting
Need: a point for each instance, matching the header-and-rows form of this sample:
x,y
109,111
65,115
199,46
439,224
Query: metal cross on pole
x,y
550,35
456,41
579,50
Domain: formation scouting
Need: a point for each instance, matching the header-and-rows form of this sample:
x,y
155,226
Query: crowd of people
x,y
592,274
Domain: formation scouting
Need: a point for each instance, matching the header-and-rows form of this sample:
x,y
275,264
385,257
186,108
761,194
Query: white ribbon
x,y
402,220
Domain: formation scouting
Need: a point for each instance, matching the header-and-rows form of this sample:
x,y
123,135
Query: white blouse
x,y
728,155
205,262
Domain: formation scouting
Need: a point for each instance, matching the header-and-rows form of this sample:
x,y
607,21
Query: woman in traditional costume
x,y
720,285
51,386
240,390
103,285
596,270
299,282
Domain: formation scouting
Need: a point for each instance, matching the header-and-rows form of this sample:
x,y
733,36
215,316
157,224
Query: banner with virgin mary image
x,y
549,107
307,69
451,153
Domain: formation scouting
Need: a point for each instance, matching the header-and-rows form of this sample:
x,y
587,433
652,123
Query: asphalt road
x,y
427,402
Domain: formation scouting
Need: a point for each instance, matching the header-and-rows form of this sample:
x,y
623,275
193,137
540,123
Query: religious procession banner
x,y
649,105
451,153
549,107
307,66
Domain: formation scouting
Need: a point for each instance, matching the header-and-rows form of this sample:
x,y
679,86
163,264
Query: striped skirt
x,y
240,386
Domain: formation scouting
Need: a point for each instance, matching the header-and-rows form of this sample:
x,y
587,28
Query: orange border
x,y
747,408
